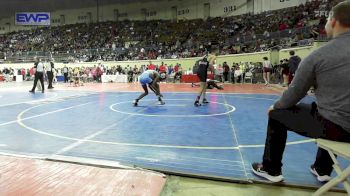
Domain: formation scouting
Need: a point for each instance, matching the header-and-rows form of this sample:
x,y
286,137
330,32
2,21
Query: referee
x,y
65,73
39,74
49,72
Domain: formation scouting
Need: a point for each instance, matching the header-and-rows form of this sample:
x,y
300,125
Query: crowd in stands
x,y
169,73
160,39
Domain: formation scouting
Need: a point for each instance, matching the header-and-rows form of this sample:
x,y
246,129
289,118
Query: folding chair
x,y
248,76
171,78
340,149
237,74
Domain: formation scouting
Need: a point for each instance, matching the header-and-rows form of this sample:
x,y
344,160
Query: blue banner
x,y
33,18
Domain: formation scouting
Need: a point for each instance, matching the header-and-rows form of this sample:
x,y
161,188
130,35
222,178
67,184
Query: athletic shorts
x,y
267,69
202,76
145,79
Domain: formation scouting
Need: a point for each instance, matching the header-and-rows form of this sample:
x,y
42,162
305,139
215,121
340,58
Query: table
x,y
114,78
192,78
19,78
60,78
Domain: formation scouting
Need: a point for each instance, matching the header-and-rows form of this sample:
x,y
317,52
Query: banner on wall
x,y
33,18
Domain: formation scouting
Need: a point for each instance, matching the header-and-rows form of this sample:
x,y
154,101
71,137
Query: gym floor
x,y
97,122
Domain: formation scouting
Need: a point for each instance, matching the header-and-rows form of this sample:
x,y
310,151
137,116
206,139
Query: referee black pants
x,y
305,120
50,78
38,76
65,77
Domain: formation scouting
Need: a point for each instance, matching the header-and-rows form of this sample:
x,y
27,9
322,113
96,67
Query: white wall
x,y
266,5
193,9
9,25
218,7
275,4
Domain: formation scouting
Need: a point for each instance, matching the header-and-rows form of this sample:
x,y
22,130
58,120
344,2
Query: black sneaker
x,y
258,170
320,178
205,101
32,91
196,103
135,103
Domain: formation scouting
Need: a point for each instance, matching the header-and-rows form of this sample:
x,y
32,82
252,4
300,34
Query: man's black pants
x,y
38,76
305,120
65,77
50,78
225,76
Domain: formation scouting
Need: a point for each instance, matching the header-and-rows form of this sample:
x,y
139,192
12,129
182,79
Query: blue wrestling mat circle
x,y
181,108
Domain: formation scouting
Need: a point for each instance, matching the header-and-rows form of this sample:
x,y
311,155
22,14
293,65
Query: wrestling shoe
x,y
205,101
196,103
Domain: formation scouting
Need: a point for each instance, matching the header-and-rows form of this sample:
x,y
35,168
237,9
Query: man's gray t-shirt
x,y
328,70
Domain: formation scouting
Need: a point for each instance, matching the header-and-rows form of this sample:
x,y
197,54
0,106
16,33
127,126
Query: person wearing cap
x,y
150,78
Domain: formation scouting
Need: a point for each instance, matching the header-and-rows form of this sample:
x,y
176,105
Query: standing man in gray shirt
x,y
328,70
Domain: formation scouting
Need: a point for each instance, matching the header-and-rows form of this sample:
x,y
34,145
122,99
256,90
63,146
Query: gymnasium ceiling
x,y
9,7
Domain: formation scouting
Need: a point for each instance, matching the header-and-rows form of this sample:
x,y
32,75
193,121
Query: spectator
x,y
267,69
293,65
162,68
151,66
226,71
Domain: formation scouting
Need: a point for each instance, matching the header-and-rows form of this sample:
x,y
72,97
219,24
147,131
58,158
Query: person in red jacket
x,y
23,73
151,66
176,68
162,68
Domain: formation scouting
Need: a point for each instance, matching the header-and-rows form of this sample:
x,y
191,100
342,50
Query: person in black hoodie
x,y
294,61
